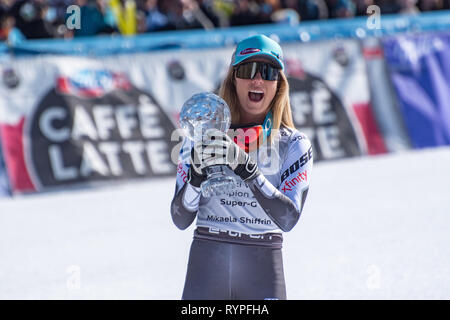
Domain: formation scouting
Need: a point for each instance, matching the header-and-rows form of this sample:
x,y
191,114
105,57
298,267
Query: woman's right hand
x,y
207,152
219,149
196,173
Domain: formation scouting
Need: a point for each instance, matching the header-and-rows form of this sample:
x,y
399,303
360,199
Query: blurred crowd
x,y
36,19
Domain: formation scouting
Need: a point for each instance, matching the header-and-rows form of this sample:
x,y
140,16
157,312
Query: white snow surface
x,y
373,228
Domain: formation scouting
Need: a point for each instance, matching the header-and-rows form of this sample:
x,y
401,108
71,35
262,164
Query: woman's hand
x,y
196,173
217,148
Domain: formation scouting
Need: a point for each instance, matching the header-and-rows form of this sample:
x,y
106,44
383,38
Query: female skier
x,y
236,250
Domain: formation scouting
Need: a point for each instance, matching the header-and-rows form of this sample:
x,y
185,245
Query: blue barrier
x,y
194,39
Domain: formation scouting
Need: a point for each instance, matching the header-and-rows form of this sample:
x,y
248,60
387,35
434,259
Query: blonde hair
x,y
280,105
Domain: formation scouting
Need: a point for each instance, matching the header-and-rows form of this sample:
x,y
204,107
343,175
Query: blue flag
x,y
419,67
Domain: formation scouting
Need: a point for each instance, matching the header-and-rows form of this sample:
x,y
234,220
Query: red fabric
x,y
373,53
374,140
247,138
13,152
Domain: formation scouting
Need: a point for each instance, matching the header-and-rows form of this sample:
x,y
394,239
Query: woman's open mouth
x,y
255,96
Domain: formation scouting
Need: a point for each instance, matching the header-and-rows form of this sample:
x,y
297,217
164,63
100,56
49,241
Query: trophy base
x,y
217,184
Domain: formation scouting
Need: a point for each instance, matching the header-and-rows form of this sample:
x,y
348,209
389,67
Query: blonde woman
x,y
236,251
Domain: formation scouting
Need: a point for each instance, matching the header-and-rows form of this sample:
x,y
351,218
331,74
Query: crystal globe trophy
x,y
200,113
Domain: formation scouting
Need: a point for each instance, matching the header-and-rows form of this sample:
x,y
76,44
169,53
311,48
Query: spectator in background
x,y
58,10
29,19
286,16
246,13
312,9
141,22
91,20
5,5
155,20
186,14
362,5
291,5
341,8
108,16
267,8
5,25
209,9
193,13
8,30
56,16
388,6
408,6
429,5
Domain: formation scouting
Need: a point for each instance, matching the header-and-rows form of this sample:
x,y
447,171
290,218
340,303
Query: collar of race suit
x,y
251,136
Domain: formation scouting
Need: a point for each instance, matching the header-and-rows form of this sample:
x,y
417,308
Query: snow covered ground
x,y
373,228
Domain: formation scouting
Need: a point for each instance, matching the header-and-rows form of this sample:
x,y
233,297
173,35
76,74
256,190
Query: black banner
x,y
320,114
78,135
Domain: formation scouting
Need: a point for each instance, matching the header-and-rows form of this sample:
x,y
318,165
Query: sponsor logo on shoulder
x,y
298,137
285,132
293,168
